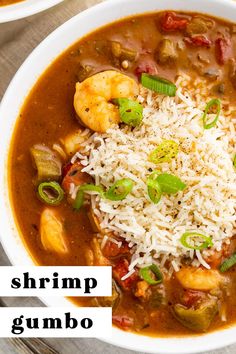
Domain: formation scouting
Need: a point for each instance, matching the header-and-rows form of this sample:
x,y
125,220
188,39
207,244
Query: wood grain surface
x,y
17,40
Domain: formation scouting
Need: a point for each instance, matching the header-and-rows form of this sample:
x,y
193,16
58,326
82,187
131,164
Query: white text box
x,y
55,281
55,322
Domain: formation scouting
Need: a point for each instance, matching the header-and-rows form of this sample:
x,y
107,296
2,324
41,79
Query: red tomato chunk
x,y
171,22
111,249
120,270
147,67
74,176
223,50
123,322
198,41
191,297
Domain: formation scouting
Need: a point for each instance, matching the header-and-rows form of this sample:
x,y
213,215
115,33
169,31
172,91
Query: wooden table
x,y
17,40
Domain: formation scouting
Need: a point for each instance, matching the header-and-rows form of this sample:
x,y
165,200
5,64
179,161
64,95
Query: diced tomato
x,y
191,297
75,176
120,270
223,50
148,67
111,249
198,41
216,258
123,322
66,168
171,22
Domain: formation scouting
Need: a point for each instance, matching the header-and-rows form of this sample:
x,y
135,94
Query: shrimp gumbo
x,y
124,155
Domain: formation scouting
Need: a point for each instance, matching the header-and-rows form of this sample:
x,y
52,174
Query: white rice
x,y
204,163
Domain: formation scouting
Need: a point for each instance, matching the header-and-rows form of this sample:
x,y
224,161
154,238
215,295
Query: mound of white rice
x,y
204,163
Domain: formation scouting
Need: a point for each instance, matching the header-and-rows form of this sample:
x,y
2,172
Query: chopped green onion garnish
x,y
154,174
154,190
207,240
91,188
228,263
158,84
79,200
120,189
166,151
159,183
131,112
150,273
50,193
214,102
170,184
234,161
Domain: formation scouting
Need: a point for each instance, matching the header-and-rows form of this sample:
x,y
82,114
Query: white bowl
x,y
24,8
19,88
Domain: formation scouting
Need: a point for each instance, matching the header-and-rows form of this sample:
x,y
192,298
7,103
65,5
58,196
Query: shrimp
x,y
92,100
73,141
52,232
199,279
94,256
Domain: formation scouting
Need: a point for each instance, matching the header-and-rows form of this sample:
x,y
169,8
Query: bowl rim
x,y
57,42
24,9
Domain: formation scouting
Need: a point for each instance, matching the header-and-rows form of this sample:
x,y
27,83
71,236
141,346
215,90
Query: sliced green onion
x,y
91,188
228,263
120,189
158,183
214,102
131,112
155,174
234,161
50,193
207,240
154,190
165,152
148,274
170,184
79,200
158,84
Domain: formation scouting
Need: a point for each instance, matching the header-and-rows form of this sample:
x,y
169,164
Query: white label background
x,y
103,275
101,317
